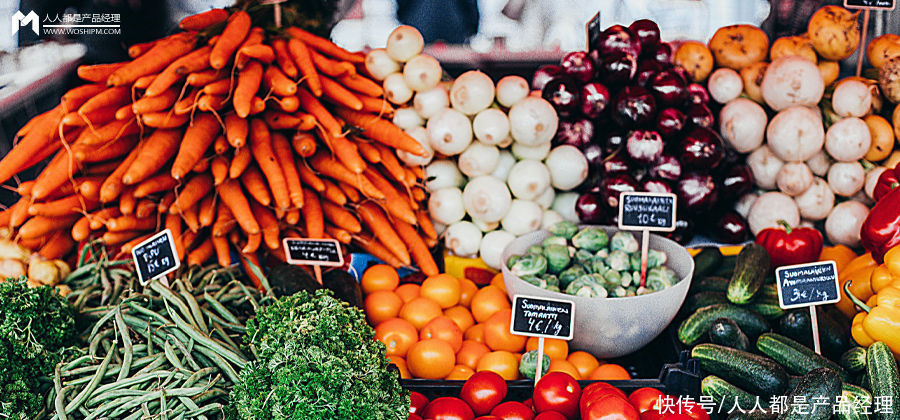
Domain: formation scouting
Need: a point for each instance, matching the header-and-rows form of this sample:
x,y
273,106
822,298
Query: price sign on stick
x,y
155,257
542,318
808,285
314,252
593,32
646,211
866,6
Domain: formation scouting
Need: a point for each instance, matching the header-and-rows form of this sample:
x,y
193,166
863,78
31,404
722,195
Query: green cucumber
x,y
757,374
696,327
723,392
856,403
726,332
854,360
814,386
883,377
701,300
710,284
707,260
727,267
796,325
749,273
834,331
765,303
795,357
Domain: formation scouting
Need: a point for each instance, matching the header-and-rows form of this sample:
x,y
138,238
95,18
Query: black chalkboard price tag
x,y
313,251
870,4
647,211
542,317
593,32
807,284
155,257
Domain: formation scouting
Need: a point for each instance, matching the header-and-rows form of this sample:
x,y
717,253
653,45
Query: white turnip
x,y
422,72
463,238
817,201
792,80
446,205
533,121
442,173
491,126
545,200
851,98
407,118
379,64
492,245
528,179
796,134
742,124
404,43
551,217
472,91
511,89
486,198
568,167
771,207
505,162
395,89
449,132
431,101
724,85
819,163
848,139
846,178
485,226
843,224
478,159
564,204
421,136
523,217
765,166
743,205
794,178
539,152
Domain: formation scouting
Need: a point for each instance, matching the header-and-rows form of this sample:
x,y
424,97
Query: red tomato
x,y
512,410
448,408
611,407
529,403
417,402
594,392
644,399
557,391
413,417
489,418
550,415
483,391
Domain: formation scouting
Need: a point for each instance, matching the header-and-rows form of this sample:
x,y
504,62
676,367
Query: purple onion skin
x,y
656,185
731,228
593,152
668,167
668,88
684,231
647,33
670,122
646,70
543,75
576,133
613,142
663,53
701,149
683,73
618,69
590,208
700,115
697,94
563,93
612,186
579,65
736,181
697,192
595,98
634,107
616,164
644,146
618,38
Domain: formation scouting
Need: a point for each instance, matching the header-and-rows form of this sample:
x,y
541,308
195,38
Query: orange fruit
x,y
460,373
461,316
397,334
382,305
553,348
475,333
379,277
503,363
407,292
470,353
401,366
561,365
497,280
497,335
419,311
430,359
609,372
488,301
443,328
467,289
584,362
442,288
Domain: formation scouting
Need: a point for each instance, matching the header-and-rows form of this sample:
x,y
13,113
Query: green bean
x,y
195,311
158,361
104,392
74,363
230,343
204,410
100,411
113,370
83,295
92,385
106,317
220,362
149,339
170,355
126,342
147,312
191,380
185,392
95,341
171,297
187,354
107,288
218,320
59,404
207,341
220,309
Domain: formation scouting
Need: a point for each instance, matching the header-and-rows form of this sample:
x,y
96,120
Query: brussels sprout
x,y
618,292
554,240
565,229
551,288
625,241
586,286
628,279
660,278
583,257
549,279
535,281
597,266
570,274
557,257
534,249
631,291
618,260
612,278
529,264
512,260
654,259
603,253
528,364
592,239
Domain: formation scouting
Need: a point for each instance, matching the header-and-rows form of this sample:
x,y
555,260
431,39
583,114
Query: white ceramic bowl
x,y
613,327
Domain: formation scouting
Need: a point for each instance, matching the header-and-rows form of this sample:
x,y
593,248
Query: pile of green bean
x,y
162,352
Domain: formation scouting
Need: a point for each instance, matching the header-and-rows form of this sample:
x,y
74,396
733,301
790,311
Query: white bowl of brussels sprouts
x,y
598,268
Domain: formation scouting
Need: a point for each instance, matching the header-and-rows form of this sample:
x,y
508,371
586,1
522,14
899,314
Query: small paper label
x,y
647,211
542,317
313,251
807,284
156,256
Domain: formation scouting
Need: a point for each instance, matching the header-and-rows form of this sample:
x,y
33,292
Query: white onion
x,y
440,228
407,118
794,178
442,173
523,217
463,238
505,142
491,126
404,42
564,204
395,89
505,162
446,205
796,133
485,226
851,98
551,217
486,198
512,89
844,223
478,159
743,205
492,246
380,65
568,167
528,179
422,72
449,132
428,103
771,207
533,121
472,91
765,166
724,85
421,136
846,178
819,163
539,152
848,140
817,201
545,200
742,123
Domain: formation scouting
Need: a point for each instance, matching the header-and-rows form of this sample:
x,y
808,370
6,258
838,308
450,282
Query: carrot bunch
x,y
232,140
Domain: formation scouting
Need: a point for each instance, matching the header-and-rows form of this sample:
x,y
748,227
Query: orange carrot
x,y
37,140
155,151
292,216
139,49
144,81
160,182
202,253
288,104
268,223
193,61
201,166
63,207
186,104
309,177
220,145
240,161
314,107
145,208
188,238
426,224
300,53
167,199
58,110
278,82
396,204
173,223
339,95
39,226
247,85
382,131
280,121
236,129
127,202
376,220
264,154
285,156
223,253
378,106
98,218
224,220
341,235
191,219
203,20
250,262
372,246
219,169
24,188
283,58
351,192
417,248
304,144
331,67
346,152
197,138
73,99
312,214
418,194
233,197
19,212
391,164
259,105
57,246
341,217
219,87
334,194
97,72
195,189
325,46
109,132
255,37
127,247
164,120
96,117
212,103
368,151
327,166
58,171
110,150
256,185
204,77
160,102
234,33
81,229
157,58
260,52
206,210
116,238
362,85
128,222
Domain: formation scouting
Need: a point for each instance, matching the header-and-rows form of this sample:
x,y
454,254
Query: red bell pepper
x,y
887,181
881,229
789,246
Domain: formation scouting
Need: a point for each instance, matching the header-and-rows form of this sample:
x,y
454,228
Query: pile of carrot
x,y
232,140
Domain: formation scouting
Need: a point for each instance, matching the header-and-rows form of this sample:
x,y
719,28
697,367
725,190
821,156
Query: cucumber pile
x,y
758,357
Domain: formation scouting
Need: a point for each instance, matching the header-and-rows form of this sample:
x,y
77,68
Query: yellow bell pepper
x,y
881,278
840,254
860,286
880,319
892,261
